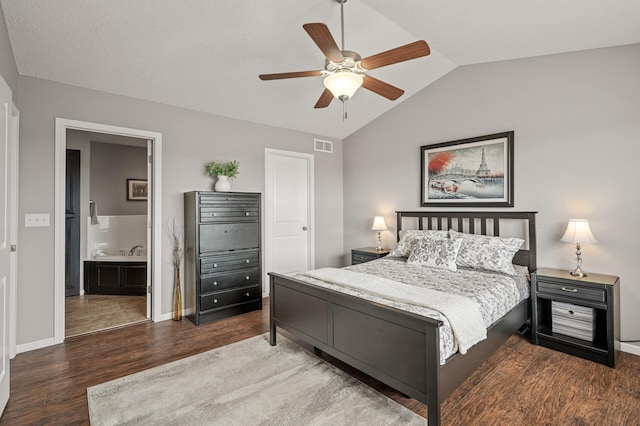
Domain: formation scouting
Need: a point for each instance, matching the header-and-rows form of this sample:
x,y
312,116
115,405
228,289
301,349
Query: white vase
x,y
222,184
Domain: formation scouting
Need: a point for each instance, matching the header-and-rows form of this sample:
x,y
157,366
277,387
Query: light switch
x,y
33,220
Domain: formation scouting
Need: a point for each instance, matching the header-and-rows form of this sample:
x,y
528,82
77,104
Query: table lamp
x,y
379,225
578,232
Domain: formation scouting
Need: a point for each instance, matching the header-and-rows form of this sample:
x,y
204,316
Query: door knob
x,y
304,228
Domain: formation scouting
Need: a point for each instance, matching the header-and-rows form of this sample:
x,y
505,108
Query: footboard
x,y
396,347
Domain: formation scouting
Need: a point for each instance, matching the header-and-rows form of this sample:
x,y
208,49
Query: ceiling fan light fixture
x,y
343,84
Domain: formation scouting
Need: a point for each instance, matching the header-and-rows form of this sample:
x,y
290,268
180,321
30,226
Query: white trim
x,y
61,127
310,208
13,227
38,344
630,348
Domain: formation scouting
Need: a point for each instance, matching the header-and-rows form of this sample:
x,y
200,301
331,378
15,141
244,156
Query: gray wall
x,y
190,140
111,166
577,144
7,61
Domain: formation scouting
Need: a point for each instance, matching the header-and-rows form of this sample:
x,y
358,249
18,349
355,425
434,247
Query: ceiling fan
x,y
345,71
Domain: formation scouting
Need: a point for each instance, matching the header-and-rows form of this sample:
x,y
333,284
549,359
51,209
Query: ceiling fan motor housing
x,y
351,62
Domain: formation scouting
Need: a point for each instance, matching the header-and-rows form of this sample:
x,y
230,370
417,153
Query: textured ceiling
x,y
206,55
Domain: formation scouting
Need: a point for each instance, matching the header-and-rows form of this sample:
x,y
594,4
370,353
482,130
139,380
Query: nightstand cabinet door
x,y
366,254
578,316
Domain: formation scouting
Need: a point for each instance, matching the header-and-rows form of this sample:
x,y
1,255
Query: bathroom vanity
x,y
115,277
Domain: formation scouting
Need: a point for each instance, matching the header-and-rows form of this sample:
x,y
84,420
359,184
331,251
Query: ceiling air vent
x,y
323,146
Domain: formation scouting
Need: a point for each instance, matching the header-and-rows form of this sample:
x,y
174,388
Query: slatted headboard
x,y
487,223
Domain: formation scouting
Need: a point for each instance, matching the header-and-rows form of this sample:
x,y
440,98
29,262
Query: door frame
x,y
155,252
268,154
13,229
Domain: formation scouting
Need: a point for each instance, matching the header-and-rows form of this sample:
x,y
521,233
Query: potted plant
x,y
224,172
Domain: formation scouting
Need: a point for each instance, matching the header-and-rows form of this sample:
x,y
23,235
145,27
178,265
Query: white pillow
x,y
488,253
408,237
436,253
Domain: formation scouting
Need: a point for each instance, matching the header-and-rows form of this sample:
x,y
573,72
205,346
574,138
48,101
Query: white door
x,y
289,212
5,246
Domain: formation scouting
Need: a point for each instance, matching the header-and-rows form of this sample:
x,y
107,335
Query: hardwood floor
x,y
520,384
93,312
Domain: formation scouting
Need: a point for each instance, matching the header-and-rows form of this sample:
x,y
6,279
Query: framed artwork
x,y
137,190
474,172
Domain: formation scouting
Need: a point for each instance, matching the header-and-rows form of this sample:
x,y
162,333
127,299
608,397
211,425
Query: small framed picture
x,y
470,172
137,190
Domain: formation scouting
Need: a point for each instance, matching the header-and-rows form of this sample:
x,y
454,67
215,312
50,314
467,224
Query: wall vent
x,y
323,146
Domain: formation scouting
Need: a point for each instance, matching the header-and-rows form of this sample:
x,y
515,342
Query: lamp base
x,y
578,273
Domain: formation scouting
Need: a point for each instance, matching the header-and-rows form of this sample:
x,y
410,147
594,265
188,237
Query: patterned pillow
x,y
488,253
408,237
436,253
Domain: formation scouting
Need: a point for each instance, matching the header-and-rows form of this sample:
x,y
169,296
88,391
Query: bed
x,y
395,346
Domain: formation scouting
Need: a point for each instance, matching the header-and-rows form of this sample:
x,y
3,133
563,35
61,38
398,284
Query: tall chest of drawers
x,y
223,274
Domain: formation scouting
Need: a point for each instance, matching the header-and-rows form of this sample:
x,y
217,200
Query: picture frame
x,y
473,172
137,190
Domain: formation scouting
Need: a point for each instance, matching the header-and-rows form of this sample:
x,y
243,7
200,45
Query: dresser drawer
x,y
573,291
229,262
229,208
224,281
229,297
229,236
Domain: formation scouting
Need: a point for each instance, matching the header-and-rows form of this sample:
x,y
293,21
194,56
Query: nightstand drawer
x,y
570,290
361,258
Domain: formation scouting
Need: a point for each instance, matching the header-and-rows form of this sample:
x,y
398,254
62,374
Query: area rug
x,y
245,383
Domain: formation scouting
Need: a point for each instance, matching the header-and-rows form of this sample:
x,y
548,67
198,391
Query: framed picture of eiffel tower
x,y
473,172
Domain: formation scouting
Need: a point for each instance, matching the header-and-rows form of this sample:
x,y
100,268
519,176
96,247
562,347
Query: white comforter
x,y
463,314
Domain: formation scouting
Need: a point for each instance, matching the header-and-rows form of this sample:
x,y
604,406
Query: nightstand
x,y
366,254
574,302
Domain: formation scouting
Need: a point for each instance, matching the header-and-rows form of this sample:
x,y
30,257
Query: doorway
x,y
153,143
106,232
289,220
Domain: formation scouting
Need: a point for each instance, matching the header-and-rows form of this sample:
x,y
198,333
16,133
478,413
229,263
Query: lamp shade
x,y
343,84
378,224
578,231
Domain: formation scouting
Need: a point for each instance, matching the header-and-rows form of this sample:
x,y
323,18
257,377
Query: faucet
x,y
135,249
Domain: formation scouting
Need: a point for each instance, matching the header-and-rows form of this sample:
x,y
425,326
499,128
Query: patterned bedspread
x,y
494,293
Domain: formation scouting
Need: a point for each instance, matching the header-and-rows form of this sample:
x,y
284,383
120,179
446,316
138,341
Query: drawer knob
x,y
246,213
215,300
214,215
570,290
215,283
215,265
247,261
248,295
247,278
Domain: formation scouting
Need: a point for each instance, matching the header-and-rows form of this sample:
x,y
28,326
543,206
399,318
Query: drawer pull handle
x,y
570,290
214,215
571,312
247,261
246,213
215,300
247,278
215,265
215,283
248,294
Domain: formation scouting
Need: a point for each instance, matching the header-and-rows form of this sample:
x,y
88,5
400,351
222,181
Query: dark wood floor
x,y
520,384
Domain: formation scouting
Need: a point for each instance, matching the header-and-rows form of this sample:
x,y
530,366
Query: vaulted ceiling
x,y
206,55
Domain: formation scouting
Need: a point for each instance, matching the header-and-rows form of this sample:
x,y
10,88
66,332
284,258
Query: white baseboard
x,y
163,317
630,348
32,346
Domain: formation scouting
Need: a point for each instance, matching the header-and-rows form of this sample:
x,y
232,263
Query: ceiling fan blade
x,y
290,75
381,88
409,51
321,35
325,99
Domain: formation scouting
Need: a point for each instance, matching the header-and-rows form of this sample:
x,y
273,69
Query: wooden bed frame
x,y
399,348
